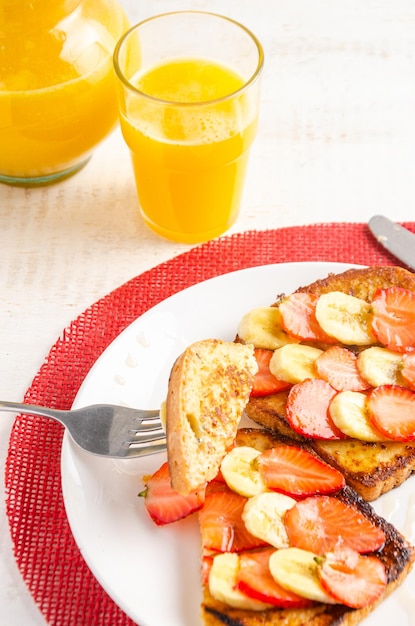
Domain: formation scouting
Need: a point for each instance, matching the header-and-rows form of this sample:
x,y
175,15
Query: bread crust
x,y
364,282
397,556
372,469
209,386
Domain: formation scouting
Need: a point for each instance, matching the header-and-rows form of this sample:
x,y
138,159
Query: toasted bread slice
x,y
209,386
397,556
370,468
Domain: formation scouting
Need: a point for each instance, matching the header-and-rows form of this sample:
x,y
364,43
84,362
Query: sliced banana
x,y
294,362
241,473
380,366
297,571
222,583
346,318
262,327
263,517
348,410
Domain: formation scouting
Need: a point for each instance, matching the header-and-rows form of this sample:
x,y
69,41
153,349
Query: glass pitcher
x,y
57,93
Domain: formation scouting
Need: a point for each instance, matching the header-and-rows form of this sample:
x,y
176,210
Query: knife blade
x,y
395,238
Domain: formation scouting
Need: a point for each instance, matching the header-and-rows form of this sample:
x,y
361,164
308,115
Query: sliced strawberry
x,y
394,318
221,524
218,484
265,383
408,368
392,411
207,560
338,366
307,409
298,318
165,505
295,472
254,579
353,579
322,523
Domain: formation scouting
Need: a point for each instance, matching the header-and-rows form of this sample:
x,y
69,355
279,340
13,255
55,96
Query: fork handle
x,y
33,409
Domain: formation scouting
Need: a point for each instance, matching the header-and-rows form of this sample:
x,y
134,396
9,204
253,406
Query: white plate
x,y
152,572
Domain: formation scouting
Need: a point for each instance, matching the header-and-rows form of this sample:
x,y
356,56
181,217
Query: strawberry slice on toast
x,y
266,383
352,579
255,580
296,472
221,524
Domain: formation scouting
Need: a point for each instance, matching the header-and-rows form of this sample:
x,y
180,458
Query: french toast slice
x,y
397,556
370,468
209,386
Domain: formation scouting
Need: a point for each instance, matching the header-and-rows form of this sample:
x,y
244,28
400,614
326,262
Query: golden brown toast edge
x,y
371,469
397,555
363,282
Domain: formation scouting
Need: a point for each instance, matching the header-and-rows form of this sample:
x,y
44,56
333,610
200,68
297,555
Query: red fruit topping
x,y
392,411
207,561
307,409
165,505
298,317
321,524
338,366
353,579
221,524
394,318
254,579
265,383
295,472
217,484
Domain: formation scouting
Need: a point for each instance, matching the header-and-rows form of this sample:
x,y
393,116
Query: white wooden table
x,y
336,143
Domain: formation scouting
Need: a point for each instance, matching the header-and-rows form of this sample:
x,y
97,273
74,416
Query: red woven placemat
x,y
49,560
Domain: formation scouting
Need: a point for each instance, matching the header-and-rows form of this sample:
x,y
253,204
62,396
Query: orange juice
x,y
57,93
189,161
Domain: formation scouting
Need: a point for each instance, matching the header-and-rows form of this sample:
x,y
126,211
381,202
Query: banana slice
x,y
263,517
294,363
241,473
346,318
222,583
262,327
380,366
297,571
348,410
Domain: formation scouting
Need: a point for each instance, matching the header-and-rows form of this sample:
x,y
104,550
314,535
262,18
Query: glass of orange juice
x,y
188,92
57,87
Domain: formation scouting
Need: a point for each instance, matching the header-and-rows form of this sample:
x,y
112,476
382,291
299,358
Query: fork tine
x,y
143,415
133,452
146,428
144,437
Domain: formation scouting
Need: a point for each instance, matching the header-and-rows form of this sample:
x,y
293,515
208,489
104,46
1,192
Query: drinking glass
x,y
188,91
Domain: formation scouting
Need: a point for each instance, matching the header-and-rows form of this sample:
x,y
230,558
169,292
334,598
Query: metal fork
x,y
105,429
